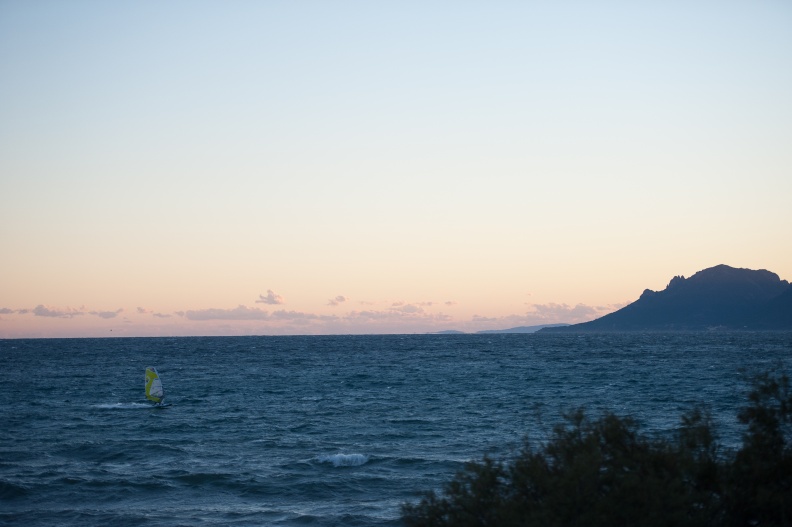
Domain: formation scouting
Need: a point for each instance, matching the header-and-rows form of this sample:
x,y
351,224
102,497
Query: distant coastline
x,y
720,298
518,329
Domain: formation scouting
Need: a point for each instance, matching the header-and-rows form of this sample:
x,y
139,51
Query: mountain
x,y
522,329
719,297
775,314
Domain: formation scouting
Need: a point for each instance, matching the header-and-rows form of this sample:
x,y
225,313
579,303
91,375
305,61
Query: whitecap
x,y
344,460
122,406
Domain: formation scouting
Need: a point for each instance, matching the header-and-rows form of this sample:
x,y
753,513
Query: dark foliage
x,y
605,472
761,479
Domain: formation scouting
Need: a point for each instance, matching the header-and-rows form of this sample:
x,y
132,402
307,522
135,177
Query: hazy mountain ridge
x,y
719,297
522,329
518,329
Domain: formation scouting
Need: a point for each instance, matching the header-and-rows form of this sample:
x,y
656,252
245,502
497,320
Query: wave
x,y
303,440
344,460
205,478
122,406
9,491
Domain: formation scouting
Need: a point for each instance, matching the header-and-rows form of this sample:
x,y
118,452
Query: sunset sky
x,y
282,167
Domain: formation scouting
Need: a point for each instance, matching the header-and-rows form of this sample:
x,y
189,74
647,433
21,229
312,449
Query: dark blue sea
x,y
324,430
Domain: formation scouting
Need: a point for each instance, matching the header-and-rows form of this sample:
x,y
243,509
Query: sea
x,y
326,430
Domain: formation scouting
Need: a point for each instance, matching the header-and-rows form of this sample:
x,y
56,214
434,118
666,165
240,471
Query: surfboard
x,y
154,390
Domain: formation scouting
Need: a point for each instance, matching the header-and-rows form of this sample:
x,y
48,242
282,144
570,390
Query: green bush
x,y
605,472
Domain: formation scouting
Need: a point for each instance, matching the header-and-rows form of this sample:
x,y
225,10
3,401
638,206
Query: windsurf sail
x,y
154,390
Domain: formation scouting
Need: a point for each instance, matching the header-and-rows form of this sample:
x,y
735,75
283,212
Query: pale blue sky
x,y
471,160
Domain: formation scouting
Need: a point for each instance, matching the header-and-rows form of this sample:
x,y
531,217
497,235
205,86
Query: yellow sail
x,y
154,390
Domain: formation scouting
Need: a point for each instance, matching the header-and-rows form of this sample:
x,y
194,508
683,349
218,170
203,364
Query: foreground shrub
x,y
760,484
605,472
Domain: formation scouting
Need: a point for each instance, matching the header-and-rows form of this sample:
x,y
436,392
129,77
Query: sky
x,y
279,167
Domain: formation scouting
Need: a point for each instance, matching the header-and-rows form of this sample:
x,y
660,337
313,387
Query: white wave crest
x,y
344,460
122,406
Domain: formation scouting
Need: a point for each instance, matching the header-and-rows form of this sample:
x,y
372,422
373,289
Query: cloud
x,y
281,318
272,298
610,308
396,312
106,314
144,311
408,308
238,313
69,312
43,311
282,314
368,314
301,318
337,300
6,311
574,314
551,313
450,302
407,312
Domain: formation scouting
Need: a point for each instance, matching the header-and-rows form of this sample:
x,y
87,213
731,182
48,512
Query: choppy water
x,y
322,430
